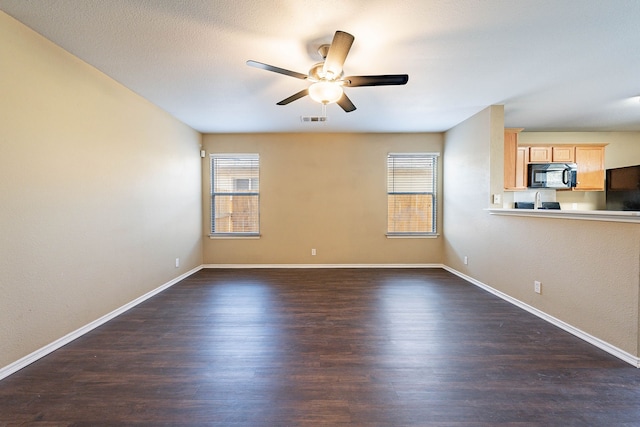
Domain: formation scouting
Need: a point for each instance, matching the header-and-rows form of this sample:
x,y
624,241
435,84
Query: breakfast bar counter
x,y
603,215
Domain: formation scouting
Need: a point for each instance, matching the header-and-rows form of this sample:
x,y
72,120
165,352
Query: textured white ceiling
x,y
554,64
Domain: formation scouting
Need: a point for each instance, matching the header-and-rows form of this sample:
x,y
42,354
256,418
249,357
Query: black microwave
x,y
552,175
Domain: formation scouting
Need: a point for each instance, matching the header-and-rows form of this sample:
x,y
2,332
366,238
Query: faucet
x,y
537,204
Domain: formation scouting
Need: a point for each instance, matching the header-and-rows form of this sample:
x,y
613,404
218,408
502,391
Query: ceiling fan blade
x,y
345,103
384,80
301,94
276,69
337,53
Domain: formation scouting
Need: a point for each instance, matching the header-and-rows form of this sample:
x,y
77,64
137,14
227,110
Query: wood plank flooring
x,y
324,347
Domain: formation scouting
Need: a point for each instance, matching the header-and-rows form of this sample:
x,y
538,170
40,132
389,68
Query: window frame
x,y
433,192
214,194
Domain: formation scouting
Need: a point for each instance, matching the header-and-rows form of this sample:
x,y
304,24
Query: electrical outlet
x,y
497,199
313,252
537,287
466,260
177,262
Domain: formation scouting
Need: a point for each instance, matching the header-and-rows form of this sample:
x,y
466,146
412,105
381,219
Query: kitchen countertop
x,y
615,216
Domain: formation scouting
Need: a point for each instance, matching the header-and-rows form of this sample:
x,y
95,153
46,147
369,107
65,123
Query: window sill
x,y
234,236
412,236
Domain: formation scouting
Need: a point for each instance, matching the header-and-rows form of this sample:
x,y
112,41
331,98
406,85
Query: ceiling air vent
x,y
313,118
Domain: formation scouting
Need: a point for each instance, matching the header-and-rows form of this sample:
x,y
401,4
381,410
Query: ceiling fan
x,y
328,77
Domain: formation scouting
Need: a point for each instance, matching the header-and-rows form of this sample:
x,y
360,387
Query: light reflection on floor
x,y
243,315
407,307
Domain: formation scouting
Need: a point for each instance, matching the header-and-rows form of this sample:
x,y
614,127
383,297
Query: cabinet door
x,y
563,154
590,162
540,154
522,159
510,158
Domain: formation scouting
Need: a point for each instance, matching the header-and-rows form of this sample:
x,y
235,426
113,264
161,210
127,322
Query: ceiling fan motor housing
x,y
323,50
316,73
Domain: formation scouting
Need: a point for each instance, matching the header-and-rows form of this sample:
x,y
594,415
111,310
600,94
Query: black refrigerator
x,y
623,189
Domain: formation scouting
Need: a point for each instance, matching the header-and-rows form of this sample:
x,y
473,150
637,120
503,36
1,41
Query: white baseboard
x,y
41,352
603,345
322,266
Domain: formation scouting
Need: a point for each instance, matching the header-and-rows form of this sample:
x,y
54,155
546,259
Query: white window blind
x,y
411,193
235,194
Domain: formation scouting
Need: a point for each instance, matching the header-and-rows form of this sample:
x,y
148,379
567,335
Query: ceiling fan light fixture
x,y
325,92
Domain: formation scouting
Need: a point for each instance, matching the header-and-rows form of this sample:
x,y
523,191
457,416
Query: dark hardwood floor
x,y
311,347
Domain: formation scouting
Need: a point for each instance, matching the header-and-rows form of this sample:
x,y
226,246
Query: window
x,y
235,194
411,193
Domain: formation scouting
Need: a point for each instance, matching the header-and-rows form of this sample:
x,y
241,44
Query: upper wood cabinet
x,y
551,153
522,160
556,153
590,161
563,153
540,154
515,161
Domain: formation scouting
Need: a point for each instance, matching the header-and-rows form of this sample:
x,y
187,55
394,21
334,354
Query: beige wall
x,y
99,193
589,270
322,191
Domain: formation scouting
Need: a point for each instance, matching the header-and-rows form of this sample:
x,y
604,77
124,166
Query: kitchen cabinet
x,y
540,154
590,161
522,159
515,161
552,153
563,153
